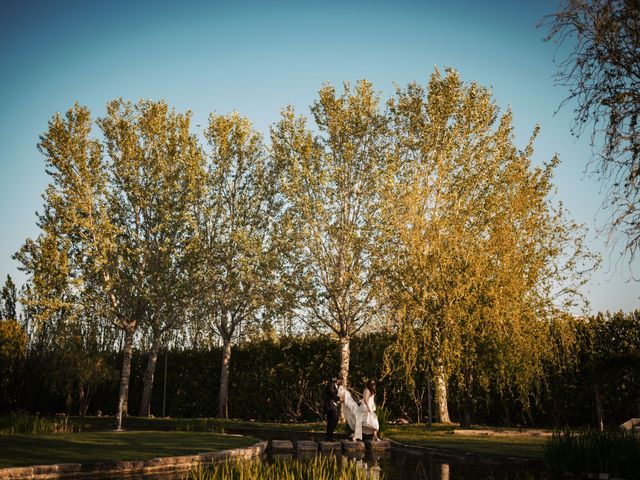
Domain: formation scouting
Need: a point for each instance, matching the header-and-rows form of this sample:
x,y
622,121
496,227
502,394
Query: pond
x,y
398,465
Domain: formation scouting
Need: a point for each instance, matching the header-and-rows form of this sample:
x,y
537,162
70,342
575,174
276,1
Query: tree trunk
x,y
224,378
145,402
344,360
442,410
466,411
467,406
429,409
125,373
84,397
599,407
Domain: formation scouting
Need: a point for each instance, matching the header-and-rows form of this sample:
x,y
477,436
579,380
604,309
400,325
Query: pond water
x,y
398,465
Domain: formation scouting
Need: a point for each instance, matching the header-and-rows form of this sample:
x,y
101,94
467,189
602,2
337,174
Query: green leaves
x,y
476,245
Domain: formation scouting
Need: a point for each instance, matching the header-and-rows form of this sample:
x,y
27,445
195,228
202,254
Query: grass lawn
x,y
87,447
194,424
155,437
442,437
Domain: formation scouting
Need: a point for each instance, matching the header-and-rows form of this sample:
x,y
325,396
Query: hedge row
x,y
283,381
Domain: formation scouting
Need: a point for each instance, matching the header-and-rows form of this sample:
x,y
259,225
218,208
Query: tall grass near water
x,y
613,452
23,423
319,468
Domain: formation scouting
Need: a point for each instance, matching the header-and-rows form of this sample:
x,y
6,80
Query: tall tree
x,y
332,191
240,245
602,72
113,228
65,301
470,247
9,299
156,177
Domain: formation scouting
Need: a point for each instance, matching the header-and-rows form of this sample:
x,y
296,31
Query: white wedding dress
x,y
370,422
352,412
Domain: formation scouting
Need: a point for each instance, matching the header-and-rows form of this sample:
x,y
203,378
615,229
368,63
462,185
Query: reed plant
x,y
318,468
613,452
23,423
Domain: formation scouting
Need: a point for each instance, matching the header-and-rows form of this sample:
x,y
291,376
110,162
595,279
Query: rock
x,y
281,446
306,446
377,446
351,446
329,446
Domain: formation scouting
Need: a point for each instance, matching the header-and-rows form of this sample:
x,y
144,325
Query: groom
x,y
331,400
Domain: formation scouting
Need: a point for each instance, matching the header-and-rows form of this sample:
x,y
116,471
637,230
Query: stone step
x,y
329,446
306,446
380,445
281,446
351,446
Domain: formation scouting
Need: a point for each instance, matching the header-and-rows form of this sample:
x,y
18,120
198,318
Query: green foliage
x,y
13,350
383,419
322,467
283,381
22,423
8,299
615,452
478,248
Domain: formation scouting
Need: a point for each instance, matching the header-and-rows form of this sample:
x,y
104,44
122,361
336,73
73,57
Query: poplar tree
x,y
332,185
239,243
156,178
65,301
9,300
114,228
473,257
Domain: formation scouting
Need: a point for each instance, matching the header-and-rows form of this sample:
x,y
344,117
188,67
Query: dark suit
x,y
331,400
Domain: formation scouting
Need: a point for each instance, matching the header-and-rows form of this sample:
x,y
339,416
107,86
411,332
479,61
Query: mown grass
x,y
154,437
437,436
190,424
87,447
442,437
317,468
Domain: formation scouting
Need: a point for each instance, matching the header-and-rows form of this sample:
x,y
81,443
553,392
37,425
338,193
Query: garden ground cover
x,y
98,446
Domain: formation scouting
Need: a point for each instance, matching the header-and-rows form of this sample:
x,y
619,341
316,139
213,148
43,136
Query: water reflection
x,y
401,466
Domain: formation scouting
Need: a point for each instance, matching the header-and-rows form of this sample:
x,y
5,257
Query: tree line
x,y
418,216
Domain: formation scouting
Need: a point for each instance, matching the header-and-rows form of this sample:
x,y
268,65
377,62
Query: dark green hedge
x,y
283,381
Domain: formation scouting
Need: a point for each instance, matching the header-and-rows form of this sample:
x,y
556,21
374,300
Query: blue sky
x,y
258,57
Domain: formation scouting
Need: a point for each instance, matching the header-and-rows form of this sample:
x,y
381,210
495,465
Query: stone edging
x,y
129,467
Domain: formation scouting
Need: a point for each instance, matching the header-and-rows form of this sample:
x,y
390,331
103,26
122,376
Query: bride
x,y
361,418
370,422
